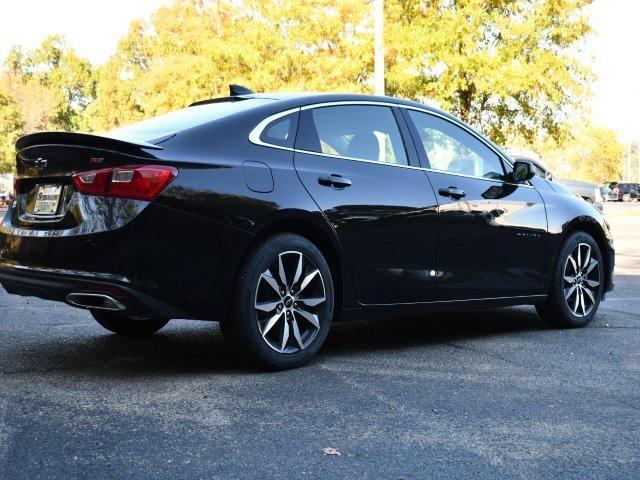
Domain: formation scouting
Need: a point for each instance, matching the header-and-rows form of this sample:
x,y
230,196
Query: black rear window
x,y
173,122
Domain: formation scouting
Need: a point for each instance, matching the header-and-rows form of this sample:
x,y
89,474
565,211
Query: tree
x,y
55,68
590,153
193,49
507,67
10,129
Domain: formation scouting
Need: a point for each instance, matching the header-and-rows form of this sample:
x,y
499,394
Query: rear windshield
x,y
173,122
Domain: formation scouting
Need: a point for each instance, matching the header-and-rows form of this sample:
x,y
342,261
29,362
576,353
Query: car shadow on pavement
x,y
198,347
440,327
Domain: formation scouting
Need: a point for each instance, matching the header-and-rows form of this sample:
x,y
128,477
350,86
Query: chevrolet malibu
x,y
277,214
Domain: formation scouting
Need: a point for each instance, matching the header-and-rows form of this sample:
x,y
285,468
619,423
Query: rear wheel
x,y
283,303
127,326
577,284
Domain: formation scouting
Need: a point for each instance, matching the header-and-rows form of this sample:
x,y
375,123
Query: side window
x,y
451,149
282,131
363,132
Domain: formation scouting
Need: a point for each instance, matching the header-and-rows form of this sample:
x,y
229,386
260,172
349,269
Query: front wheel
x,y
283,303
577,284
127,326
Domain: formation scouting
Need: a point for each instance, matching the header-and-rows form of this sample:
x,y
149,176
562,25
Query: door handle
x,y
453,192
334,180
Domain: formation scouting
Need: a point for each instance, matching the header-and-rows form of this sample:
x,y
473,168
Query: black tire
x,y
261,314
127,326
560,312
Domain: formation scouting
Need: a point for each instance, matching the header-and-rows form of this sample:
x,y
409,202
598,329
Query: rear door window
x,y
362,132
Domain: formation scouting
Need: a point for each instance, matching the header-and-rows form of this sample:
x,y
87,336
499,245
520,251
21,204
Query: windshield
x,y
173,122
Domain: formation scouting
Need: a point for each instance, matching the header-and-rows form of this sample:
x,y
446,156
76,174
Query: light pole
x,y
378,28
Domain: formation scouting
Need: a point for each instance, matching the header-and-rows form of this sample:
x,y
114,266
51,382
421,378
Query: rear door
x,y
354,162
492,232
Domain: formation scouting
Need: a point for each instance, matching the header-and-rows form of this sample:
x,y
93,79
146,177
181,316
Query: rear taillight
x,y
16,185
143,182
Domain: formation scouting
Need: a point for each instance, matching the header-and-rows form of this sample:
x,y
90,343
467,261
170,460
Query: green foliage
x,y
508,67
56,67
193,50
10,129
592,154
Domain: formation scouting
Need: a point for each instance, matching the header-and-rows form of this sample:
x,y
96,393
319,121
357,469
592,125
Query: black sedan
x,y
276,214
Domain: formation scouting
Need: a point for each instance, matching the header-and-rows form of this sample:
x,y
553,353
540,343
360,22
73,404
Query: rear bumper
x,y
161,262
56,285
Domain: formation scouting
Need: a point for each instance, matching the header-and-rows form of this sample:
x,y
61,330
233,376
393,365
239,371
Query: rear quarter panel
x,y
212,186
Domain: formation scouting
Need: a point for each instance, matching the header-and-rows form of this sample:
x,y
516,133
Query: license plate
x,y
47,199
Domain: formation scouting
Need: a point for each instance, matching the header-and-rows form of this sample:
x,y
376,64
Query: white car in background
x,y
590,192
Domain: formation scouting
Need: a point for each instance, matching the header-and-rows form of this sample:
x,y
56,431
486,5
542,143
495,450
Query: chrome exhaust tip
x,y
95,301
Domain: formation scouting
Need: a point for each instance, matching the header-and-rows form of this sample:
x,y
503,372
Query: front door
x,y
492,232
353,161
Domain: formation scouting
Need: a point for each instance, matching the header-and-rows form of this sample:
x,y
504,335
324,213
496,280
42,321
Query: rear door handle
x,y
334,180
453,192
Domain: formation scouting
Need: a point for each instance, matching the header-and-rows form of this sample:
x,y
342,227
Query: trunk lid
x,y
46,163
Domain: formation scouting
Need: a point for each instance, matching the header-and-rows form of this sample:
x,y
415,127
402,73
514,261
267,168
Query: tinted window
x,y
449,148
357,131
282,131
173,122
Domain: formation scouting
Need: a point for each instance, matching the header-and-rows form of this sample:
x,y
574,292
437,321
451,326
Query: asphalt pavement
x,y
485,394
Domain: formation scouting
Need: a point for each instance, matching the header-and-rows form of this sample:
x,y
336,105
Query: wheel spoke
x,y
312,318
312,302
589,294
267,306
298,273
577,302
573,264
587,258
569,291
579,258
296,333
569,279
307,280
267,277
592,265
285,335
283,275
271,322
592,283
584,311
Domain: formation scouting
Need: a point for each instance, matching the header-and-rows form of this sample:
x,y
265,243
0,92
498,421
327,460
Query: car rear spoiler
x,y
82,139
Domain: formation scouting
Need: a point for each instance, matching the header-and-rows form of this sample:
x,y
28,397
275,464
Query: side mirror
x,y
522,171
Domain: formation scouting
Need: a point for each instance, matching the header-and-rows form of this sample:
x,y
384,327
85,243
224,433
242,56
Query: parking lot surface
x,y
481,394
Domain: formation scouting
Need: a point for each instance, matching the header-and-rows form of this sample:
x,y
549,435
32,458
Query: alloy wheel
x,y
289,302
581,280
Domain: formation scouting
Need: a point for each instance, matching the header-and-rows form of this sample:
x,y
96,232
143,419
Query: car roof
x,y
282,101
308,98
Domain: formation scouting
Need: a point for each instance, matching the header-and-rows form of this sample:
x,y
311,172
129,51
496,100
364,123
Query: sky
x,y
93,28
